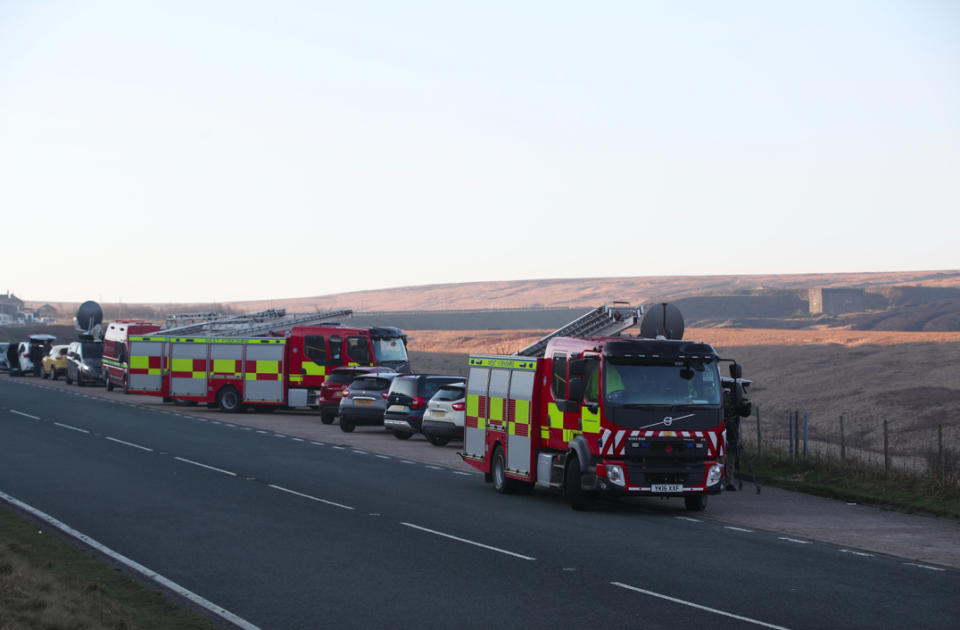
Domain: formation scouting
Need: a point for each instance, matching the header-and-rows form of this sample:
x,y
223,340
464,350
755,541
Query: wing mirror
x,y
736,370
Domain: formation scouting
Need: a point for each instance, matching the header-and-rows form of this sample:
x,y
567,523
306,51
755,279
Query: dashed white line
x,y
856,553
130,444
469,542
25,415
923,566
359,452
739,529
457,472
435,467
139,568
383,457
226,472
406,461
264,432
67,426
687,518
296,439
692,605
339,448
307,496
802,542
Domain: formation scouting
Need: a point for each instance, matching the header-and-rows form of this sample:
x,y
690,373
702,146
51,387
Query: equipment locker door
x,y
146,362
497,397
475,427
188,369
263,376
520,416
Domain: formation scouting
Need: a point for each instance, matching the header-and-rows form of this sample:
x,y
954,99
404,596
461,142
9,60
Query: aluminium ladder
x,y
603,321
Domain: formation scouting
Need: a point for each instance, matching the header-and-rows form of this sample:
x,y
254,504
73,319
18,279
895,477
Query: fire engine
x,y
590,413
240,362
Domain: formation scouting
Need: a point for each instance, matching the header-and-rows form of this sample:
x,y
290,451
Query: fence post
x,y
791,437
796,435
943,463
843,442
886,450
805,435
759,437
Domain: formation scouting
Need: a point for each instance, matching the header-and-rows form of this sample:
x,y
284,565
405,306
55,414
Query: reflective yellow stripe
x,y
590,420
296,378
473,405
496,409
510,364
225,366
556,416
181,365
141,363
255,341
312,369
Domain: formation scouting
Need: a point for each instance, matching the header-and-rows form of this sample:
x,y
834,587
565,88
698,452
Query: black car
x,y
407,401
85,363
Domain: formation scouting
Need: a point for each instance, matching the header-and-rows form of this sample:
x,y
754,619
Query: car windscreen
x,y
389,349
406,387
92,351
344,376
629,382
449,393
370,384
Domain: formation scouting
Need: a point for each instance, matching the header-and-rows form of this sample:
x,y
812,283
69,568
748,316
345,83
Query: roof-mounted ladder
x,y
253,324
604,321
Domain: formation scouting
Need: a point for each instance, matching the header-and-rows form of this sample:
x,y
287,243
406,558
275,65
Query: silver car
x,y
365,401
443,418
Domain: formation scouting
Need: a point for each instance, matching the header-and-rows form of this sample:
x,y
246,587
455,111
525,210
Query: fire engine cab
x,y
602,415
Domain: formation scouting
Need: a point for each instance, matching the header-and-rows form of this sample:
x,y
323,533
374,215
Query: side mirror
x,y
578,367
575,390
736,370
737,395
746,409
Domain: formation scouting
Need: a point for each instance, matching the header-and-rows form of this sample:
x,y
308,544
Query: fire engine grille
x,y
652,478
666,472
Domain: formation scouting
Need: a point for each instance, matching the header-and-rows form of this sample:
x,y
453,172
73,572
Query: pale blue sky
x,y
191,151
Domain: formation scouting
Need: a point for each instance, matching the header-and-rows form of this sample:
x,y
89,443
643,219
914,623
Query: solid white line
x,y
130,444
67,426
802,542
691,604
139,568
307,496
25,415
226,472
740,529
923,566
469,542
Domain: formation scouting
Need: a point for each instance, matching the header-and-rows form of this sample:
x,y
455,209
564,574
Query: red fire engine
x,y
223,362
591,413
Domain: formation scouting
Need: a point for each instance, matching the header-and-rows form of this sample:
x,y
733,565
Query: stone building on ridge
x,y
835,301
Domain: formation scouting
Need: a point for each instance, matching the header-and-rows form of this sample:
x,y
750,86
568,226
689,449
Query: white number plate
x,y
396,407
668,488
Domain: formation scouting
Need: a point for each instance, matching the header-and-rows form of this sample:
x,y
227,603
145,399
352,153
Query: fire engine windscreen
x,y
389,349
641,383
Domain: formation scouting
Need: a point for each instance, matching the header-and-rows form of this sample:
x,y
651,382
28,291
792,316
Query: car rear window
x,y
406,387
449,393
344,376
370,384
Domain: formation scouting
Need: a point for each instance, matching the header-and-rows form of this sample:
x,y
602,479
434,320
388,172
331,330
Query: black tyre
x,y
697,503
402,435
228,399
502,483
328,417
110,384
573,487
80,382
347,425
436,440
54,374
66,377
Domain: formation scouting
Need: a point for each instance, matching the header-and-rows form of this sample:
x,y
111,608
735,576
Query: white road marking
x,y
339,448
360,452
139,568
261,432
687,518
383,457
130,444
25,415
857,553
435,467
740,529
307,496
922,566
226,472
317,443
406,461
692,605
457,472
296,439
802,542
246,428
67,426
469,542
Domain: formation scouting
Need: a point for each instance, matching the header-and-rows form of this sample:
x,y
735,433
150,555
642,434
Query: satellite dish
x,y
89,315
662,320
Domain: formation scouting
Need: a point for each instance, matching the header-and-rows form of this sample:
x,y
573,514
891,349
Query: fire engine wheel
x,y
437,440
347,425
402,435
696,504
502,483
110,385
328,418
228,400
573,487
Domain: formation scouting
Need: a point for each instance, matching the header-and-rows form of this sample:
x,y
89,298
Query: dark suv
x,y
364,400
331,391
407,401
85,363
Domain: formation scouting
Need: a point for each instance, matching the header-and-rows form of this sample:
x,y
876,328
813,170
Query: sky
x,y
216,151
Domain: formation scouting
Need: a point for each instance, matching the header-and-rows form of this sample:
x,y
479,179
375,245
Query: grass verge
x,y
45,583
856,483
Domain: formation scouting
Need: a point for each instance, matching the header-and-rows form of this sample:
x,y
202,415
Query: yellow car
x,y
55,362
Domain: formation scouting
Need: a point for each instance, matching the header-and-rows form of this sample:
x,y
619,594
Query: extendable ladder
x,y
254,324
604,321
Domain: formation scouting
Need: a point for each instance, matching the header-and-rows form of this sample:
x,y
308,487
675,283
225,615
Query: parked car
x,y
85,363
31,353
331,391
4,364
407,401
365,400
55,362
443,418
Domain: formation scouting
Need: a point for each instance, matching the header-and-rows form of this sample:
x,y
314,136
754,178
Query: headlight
x,y
615,475
714,475
85,368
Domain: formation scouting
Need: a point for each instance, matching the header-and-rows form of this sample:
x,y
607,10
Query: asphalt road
x,y
289,533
